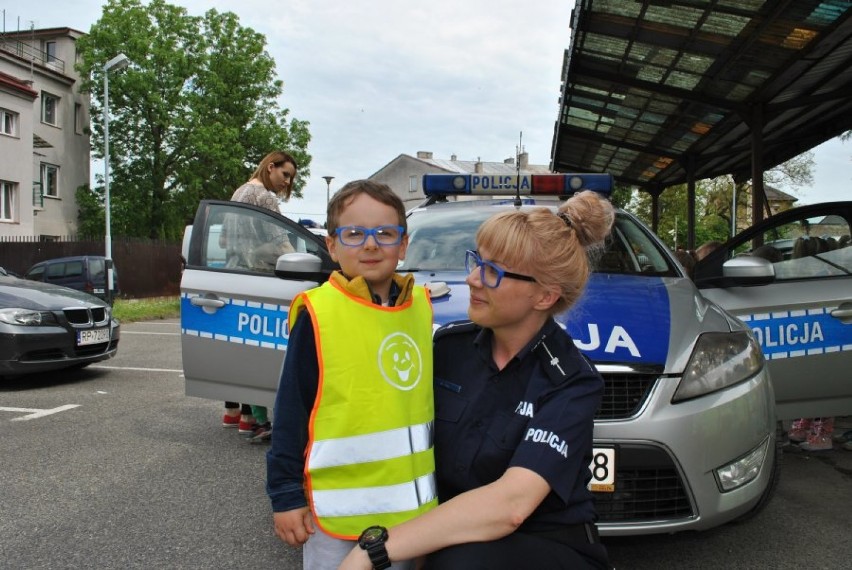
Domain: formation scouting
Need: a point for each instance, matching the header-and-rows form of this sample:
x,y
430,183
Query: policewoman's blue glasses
x,y
489,273
356,236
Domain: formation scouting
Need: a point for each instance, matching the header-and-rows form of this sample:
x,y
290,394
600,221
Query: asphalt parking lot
x,y
114,467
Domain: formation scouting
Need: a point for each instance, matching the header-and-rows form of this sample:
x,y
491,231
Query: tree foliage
x,y
621,195
91,213
189,119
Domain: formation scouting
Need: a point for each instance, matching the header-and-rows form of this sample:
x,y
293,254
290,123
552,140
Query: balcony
x,y
30,53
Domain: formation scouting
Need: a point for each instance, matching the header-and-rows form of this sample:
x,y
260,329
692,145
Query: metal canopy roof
x,y
650,85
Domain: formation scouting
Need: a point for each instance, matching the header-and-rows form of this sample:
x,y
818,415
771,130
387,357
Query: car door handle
x,y
843,312
207,303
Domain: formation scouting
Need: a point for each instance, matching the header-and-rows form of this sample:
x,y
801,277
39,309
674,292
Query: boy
x,y
352,431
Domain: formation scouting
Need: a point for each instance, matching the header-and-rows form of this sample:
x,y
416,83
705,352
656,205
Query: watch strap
x,y
378,554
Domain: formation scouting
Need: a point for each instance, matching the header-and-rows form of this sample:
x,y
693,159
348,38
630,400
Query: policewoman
x,y
514,407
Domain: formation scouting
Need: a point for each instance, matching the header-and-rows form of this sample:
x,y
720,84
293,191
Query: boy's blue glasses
x,y
489,273
356,236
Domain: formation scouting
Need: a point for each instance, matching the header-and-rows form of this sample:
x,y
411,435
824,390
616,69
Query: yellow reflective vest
x,y
369,458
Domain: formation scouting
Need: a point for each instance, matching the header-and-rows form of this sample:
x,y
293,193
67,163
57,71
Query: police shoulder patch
x,y
455,327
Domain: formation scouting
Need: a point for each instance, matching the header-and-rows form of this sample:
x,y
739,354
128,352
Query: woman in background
x,y
256,246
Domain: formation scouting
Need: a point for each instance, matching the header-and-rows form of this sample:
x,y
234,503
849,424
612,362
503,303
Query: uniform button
x,y
459,468
478,424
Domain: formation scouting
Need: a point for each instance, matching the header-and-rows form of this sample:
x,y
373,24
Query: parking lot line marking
x,y
137,369
156,333
33,413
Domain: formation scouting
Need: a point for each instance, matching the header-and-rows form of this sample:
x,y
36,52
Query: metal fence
x,y
146,268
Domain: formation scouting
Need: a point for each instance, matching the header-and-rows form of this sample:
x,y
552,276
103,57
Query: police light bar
x,y
510,184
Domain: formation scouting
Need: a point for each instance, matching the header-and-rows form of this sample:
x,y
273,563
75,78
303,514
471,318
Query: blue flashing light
x,y
510,184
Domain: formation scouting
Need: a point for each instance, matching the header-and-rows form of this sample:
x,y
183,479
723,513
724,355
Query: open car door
x,y
234,316
790,279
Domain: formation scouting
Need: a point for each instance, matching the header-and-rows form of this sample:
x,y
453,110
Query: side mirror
x,y
300,267
748,270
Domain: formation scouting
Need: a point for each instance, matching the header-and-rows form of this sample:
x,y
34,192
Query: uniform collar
x,y
484,338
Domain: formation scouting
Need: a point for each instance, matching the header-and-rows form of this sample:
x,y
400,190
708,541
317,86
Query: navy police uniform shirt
x,y
536,413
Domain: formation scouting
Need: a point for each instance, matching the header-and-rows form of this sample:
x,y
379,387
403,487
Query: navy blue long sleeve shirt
x,y
285,460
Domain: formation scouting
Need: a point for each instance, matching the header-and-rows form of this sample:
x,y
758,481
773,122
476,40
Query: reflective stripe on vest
x,y
369,458
371,446
376,500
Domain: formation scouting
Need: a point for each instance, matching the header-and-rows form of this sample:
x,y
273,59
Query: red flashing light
x,y
548,184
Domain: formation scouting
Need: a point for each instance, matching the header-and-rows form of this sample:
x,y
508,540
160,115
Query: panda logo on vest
x,y
400,361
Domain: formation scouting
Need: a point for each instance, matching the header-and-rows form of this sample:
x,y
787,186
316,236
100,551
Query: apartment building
x,y
44,133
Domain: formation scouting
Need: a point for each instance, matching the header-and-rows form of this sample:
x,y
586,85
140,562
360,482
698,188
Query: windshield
x,y
439,237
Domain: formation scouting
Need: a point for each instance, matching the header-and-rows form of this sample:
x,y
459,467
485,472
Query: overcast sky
x,y
381,78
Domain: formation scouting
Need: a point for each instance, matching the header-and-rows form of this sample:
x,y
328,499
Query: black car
x,y
46,327
82,272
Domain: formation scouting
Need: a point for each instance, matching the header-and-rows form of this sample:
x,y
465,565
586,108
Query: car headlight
x,y
719,360
25,317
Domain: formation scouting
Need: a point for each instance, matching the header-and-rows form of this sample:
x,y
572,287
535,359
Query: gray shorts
x,y
324,552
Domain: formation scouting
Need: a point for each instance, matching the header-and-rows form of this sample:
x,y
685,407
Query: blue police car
x,y
686,436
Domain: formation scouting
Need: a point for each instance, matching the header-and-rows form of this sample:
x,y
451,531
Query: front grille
x,y
91,349
624,394
49,354
78,316
44,354
648,488
98,314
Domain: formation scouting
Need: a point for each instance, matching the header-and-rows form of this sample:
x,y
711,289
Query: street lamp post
x,y
328,180
118,62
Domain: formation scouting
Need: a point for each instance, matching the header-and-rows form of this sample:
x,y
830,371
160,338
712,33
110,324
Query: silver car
x,y
686,436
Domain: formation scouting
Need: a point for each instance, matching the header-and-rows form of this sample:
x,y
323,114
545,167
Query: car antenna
x,y
518,151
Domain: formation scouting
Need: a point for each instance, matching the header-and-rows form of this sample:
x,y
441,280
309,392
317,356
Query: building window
x,y
8,123
412,184
8,200
50,51
78,119
50,180
49,109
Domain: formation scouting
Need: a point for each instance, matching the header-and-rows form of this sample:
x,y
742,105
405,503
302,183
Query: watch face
x,y
373,534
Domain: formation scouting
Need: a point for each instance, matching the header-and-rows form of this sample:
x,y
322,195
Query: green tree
x,y
672,227
621,195
190,119
90,213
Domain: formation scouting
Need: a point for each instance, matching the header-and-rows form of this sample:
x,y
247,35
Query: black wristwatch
x,y
373,541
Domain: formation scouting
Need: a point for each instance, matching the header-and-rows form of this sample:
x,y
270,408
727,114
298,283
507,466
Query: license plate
x,y
603,470
93,336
